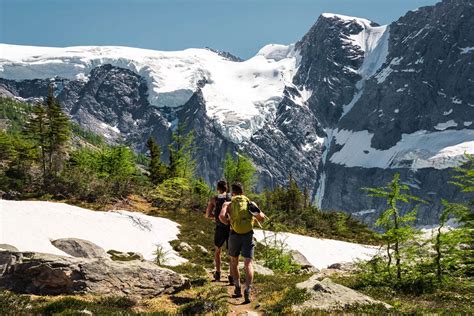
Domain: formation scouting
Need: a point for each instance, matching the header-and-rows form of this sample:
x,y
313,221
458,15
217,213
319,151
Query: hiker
x,y
221,234
241,213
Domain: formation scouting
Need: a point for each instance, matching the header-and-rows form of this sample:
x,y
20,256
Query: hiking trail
x,y
236,305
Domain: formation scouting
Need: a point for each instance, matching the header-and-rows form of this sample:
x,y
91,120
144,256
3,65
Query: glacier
x,y
240,96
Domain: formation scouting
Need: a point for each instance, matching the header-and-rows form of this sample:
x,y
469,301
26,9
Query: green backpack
x,y
241,220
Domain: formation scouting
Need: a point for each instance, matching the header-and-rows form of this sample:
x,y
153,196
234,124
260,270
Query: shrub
x,y
276,256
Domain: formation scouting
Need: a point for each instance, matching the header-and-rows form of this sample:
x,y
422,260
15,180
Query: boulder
x,y
329,296
202,249
11,195
302,261
258,268
8,247
79,248
184,246
343,266
45,274
8,259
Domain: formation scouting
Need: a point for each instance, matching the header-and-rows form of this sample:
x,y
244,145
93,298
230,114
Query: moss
x,y
120,256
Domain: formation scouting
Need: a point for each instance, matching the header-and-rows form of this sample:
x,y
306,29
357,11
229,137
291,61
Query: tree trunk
x,y
438,254
397,246
389,255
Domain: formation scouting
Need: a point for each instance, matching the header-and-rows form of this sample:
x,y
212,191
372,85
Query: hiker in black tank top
x,y
221,234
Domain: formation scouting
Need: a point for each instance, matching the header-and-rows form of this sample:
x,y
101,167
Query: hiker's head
x,y
237,188
222,186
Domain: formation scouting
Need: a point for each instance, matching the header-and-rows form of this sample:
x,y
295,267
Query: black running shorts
x,y
221,235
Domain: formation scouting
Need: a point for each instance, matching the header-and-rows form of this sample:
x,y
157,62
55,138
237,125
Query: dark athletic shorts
x,y
221,235
241,244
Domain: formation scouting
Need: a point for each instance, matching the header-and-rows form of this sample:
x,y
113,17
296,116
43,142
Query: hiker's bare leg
x,y
248,272
217,258
234,269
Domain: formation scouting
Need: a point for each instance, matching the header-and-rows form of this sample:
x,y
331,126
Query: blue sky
x,y
241,27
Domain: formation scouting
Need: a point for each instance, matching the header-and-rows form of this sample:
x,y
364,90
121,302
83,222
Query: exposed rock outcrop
x,y
45,274
329,296
79,248
302,261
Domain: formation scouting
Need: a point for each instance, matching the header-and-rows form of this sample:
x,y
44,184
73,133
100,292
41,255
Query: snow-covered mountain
x,y
345,107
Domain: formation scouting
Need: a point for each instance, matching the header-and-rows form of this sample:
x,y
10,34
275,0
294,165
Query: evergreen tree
x,y
7,150
454,247
240,169
38,130
58,133
157,170
396,226
182,162
451,245
294,196
170,194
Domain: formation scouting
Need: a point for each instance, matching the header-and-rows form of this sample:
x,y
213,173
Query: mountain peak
x,y
361,21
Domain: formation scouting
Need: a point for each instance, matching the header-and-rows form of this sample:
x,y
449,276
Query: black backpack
x,y
220,200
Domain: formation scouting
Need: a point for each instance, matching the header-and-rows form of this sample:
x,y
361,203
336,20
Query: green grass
x,y
456,297
208,299
14,304
277,293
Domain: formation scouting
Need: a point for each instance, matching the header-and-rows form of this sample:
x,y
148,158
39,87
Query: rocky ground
x,y
91,274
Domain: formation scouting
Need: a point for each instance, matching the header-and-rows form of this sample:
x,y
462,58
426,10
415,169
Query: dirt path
x,y
236,306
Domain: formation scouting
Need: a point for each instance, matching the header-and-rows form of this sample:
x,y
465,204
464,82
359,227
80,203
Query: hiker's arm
x,y
260,217
210,207
223,215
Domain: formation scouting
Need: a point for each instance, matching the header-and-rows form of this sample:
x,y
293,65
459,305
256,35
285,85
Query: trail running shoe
x,y
231,280
247,296
217,276
237,292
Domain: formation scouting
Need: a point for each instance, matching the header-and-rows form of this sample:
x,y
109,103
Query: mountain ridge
x,y
349,104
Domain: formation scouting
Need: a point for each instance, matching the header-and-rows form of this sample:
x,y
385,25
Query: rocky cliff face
x,y
346,107
420,97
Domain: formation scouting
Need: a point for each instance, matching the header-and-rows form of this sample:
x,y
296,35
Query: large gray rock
x,y
79,248
302,261
8,259
8,247
329,296
258,268
45,274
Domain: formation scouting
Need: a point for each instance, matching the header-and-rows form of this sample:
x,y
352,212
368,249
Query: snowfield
x,y
240,96
32,225
422,149
320,252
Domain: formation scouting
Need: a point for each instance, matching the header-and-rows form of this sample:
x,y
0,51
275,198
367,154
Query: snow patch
x,y
364,212
360,21
439,150
456,100
374,42
385,72
320,252
32,225
468,123
466,50
446,125
448,112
